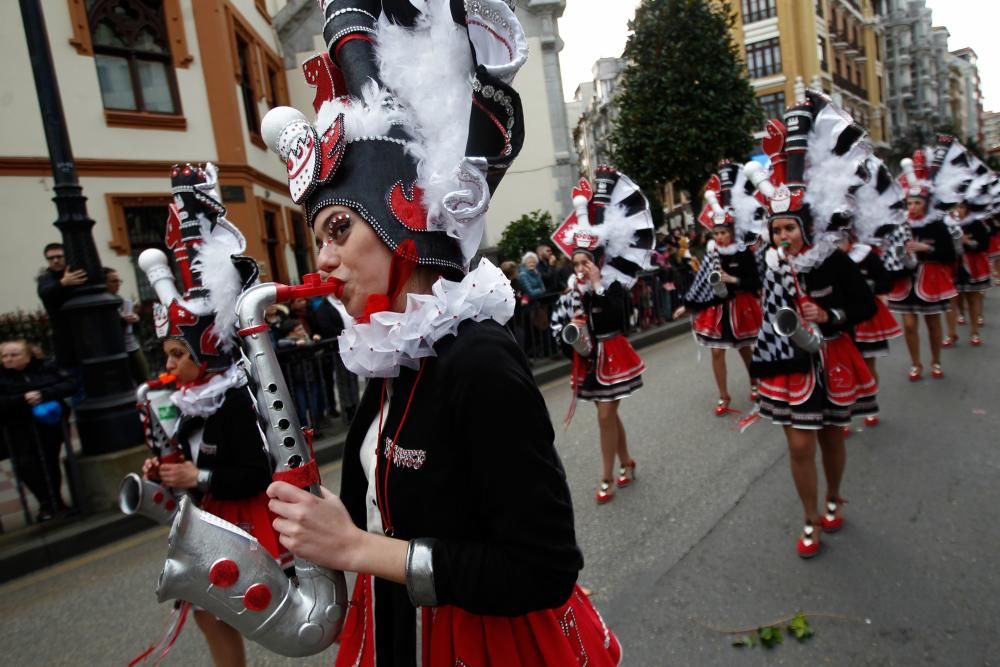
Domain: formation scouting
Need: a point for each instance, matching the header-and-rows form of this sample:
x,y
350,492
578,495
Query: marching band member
x,y
973,277
609,237
812,378
930,286
225,467
875,244
723,298
453,502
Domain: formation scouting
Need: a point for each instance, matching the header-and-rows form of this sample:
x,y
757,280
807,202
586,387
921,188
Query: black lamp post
x,y
106,419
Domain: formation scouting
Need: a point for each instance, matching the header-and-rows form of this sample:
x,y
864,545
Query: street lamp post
x,y
106,418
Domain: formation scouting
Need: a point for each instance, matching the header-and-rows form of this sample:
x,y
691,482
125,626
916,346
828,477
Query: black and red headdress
x,y
612,223
207,251
730,203
817,157
417,122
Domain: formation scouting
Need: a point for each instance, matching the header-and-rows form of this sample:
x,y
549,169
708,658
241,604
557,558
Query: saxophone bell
x,y
718,286
788,324
150,499
578,338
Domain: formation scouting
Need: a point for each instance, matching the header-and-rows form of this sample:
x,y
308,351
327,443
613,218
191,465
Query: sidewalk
x,y
43,545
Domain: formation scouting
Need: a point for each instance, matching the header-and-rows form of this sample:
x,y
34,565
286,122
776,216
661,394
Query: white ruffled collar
x,y
392,340
205,399
813,257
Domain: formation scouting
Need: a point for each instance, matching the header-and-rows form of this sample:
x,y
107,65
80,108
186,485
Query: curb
x,y
44,546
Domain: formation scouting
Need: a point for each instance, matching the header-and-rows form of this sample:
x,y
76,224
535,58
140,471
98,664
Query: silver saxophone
x,y
715,278
955,230
908,259
159,416
222,569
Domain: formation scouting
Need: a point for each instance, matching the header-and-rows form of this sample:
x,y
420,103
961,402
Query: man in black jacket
x,y
55,287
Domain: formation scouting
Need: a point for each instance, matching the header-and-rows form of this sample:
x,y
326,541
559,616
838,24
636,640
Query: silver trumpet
x,y
220,568
788,324
159,417
907,259
577,337
956,238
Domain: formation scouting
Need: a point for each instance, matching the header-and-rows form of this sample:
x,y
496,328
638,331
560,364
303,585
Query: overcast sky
x,y
593,29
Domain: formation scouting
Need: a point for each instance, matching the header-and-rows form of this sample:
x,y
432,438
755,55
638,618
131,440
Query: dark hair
x,y
51,246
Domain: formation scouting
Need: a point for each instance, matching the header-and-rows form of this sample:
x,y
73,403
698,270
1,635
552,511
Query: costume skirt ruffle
x,y
572,634
873,335
974,273
615,372
927,293
734,323
838,387
252,515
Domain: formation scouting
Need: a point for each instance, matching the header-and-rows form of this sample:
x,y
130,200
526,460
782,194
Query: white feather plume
x,y
371,116
829,175
873,209
748,215
615,234
429,67
221,278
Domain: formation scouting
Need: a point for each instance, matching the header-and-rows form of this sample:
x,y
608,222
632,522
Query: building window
x,y
821,49
273,242
764,58
276,92
772,106
757,10
132,53
819,8
246,81
302,248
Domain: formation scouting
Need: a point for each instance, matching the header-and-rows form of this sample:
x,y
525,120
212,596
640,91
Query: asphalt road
x,y
703,542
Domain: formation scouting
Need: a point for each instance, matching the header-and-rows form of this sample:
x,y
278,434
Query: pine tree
x,y
685,101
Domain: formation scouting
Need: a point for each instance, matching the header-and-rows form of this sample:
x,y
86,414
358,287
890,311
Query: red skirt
x,y
617,361
935,282
807,401
879,328
573,634
977,265
252,515
994,249
734,323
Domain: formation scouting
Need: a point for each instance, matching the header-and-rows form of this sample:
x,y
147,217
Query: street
x,y
703,542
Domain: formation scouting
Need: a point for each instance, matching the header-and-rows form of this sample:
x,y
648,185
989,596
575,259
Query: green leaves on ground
x,y
799,628
770,636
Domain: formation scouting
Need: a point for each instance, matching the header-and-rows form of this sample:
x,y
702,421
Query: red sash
x,y
791,388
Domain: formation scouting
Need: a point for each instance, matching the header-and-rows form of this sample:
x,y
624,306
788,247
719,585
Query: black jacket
x,y
477,470
53,296
15,413
936,233
978,236
232,447
605,314
871,267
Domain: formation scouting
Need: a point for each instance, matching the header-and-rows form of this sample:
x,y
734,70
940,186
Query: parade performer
x,y
812,379
453,503
931,284
993,223
609,237
723,298
876,244
962,194
224,468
